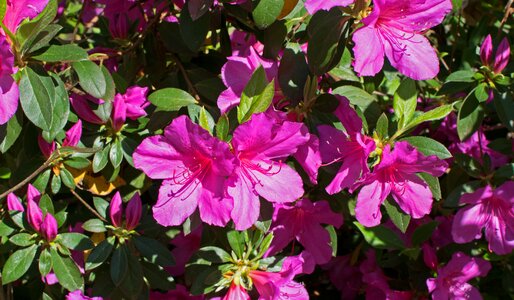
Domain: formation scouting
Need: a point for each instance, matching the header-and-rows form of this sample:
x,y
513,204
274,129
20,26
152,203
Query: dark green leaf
x,y
119,264
101,206
10,131
62,53
504,104
101,159
76,241
29,29
399,218
382,128
431,115
22,239
470,117
154,251
45,262
100,253
91,78
193,32
214,255
428,146
236,241
423,233
157,277
116,153
293,72
18,263
405,102
257,96
433,184
40,40
67,178
66,271
380,237
94,225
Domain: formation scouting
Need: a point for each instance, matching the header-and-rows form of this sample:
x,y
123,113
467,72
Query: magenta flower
x,y
280,285
350,147
491,210
394,29
313,6
34,213
82,106
501,56
195,166
396,174
14,203
236,292
49,227
71,139
9,93
303,223
451,281
132,212
236,73
261,146
130,105
78,295
345,276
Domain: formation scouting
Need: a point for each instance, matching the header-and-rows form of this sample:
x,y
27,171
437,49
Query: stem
x,y
506,15
43,167
87,205
189,83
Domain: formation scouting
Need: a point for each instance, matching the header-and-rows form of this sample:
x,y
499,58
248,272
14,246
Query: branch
x,y
189,83
43,167
92,210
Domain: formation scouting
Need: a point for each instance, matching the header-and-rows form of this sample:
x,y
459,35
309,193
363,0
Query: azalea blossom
x,y
489,209
303,223
313,6
451,280
130,105
499,61
132,212
396,174
351,147
394,29
261,146
194,166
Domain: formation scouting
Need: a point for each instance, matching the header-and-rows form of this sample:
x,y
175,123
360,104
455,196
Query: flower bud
x,y
119,113
45,147
133,212
486,51
34,213
13,203
49,227
429,256
116,210
73,135
502,56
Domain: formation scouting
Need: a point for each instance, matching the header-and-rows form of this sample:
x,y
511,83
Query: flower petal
x,y
368,51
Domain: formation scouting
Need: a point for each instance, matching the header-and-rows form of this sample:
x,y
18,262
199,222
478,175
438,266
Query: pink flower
x,y
19,10
132,212
501,56
238,70
377,285
271,286
130,105
313,6
49,227
491,210
195,166
451,281
394,29
71,139
83,108
350,147
34,213
14,203
78,295
346,277
261,146
303,223
9,92
396,174
236,292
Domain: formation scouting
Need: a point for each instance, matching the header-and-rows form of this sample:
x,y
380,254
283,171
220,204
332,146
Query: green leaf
x,y
29,29
101,206
55,184
119,264
428,146
22,239
110,92
266,12
236,241
44,101
3,9
154,251
333,239
157,277
481,92
91,78
214,255
360,98
41,39
94,225
67,178
62,53
46,204
100,253
452,200
399,218
78,162
10,131
133,281
293,72
193,32
405,102
101,159
222,128
382,128
171,99
423,233
504,104
45,262
470,117
18,263
116,153
76,241
431,115
380,237
66,271
257,96
204,118
325,32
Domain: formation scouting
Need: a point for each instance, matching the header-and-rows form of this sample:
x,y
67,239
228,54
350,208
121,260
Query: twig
x,y
189,83
43,167
506,15
87,205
